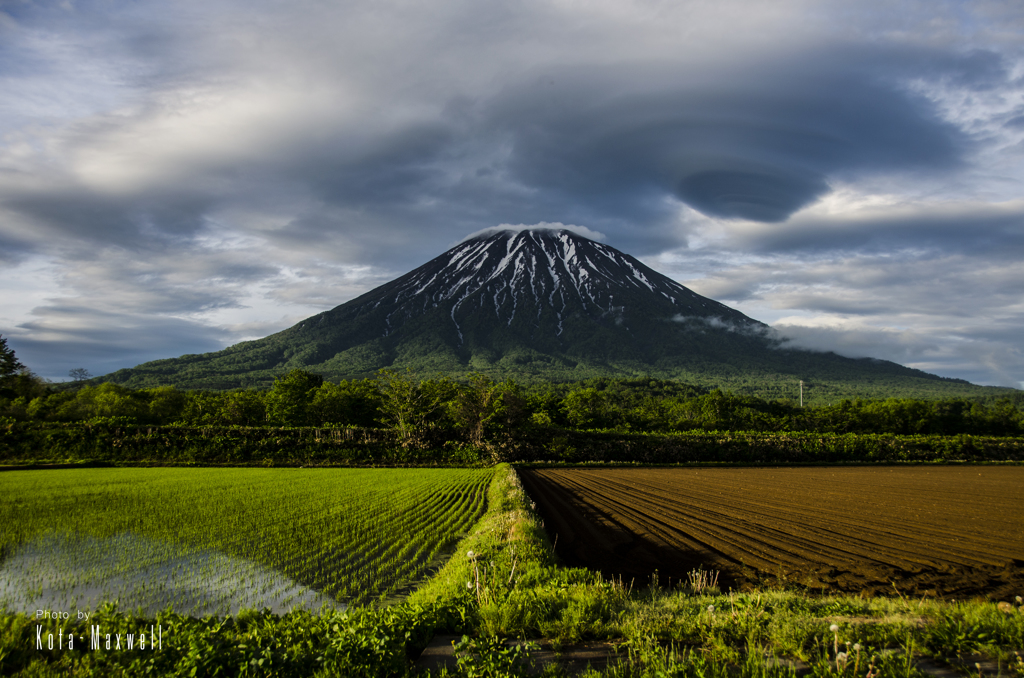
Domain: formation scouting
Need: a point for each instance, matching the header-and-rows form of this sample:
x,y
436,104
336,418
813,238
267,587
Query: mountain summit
x,y
532,304
531,287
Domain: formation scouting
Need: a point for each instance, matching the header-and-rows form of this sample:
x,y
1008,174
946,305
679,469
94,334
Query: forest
x,y
479,409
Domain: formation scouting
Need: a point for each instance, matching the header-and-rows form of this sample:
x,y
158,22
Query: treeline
x,y
112,442
481,409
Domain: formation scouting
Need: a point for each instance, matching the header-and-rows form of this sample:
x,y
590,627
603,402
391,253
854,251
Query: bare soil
x,y
943,531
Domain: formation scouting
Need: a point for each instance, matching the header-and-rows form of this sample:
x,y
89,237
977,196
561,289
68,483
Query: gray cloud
x,y
757,143
979,360
861,342
213,165
866,284
985,229
939,313
63,338
596,147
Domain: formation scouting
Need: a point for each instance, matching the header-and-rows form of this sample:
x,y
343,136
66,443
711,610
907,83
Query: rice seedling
x,y
214,541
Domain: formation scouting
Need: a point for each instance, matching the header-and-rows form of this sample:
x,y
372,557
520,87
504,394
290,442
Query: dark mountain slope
x,y
538,305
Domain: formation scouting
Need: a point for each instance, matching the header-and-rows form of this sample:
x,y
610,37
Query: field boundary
x,y
510,523
751,464
38,444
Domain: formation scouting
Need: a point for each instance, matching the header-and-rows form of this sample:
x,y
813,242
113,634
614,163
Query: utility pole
x,y
801,393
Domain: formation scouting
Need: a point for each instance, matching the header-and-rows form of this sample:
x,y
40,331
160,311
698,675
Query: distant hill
x,y
544,305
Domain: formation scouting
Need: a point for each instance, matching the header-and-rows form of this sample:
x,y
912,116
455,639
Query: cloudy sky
x,y
176,177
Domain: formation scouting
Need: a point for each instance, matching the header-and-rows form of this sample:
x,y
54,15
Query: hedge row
x,y
770,448
25,442
76,442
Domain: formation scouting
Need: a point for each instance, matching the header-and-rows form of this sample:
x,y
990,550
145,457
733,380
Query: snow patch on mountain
x,y
539,279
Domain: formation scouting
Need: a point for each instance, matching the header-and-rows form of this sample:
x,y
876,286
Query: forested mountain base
x,y
397,419
478,407
827,378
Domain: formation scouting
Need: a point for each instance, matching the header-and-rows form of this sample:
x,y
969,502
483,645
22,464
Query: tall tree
x,y
406,404
483,407
9,363
288,402
79,374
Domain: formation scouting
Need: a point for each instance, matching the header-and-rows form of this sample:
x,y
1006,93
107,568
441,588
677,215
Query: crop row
x,y
352,534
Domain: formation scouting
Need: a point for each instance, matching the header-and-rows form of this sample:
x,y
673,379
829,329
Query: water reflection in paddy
x,y
63,571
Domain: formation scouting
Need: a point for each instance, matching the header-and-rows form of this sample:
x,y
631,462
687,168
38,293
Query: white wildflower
x,y
834,628
470,555
711,608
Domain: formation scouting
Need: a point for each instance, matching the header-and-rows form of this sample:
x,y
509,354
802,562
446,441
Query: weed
x,y
701,581
491,657
953,635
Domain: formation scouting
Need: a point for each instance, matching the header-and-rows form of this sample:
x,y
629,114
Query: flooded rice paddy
x,y
217,540
69,572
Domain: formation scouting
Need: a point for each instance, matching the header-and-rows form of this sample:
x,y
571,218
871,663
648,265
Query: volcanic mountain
x,y
533,304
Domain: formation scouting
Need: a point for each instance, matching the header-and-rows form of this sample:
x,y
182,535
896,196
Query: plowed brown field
x,y
941,531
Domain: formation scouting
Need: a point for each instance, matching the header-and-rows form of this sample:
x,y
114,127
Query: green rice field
x,y
213,541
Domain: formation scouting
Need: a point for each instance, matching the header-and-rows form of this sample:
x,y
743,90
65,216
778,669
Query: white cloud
x,y
948,351
542,226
